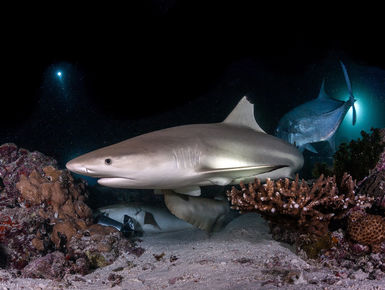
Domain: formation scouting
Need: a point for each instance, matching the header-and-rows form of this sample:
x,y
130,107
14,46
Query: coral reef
x,y
359,156
15,162
298,213
374,184
45,224
296,205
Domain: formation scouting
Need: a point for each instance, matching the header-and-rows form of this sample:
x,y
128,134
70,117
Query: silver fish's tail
x,y
351,96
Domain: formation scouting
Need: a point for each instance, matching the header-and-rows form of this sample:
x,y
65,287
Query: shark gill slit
x,y
187,157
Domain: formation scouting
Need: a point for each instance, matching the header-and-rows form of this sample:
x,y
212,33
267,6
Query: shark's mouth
x,y
118,182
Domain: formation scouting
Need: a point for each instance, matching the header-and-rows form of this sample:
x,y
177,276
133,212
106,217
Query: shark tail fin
x,y
351,96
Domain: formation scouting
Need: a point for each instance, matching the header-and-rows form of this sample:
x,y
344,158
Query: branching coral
x,y
296,205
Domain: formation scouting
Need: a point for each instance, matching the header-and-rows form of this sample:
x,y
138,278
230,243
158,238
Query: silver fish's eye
x,y
108,161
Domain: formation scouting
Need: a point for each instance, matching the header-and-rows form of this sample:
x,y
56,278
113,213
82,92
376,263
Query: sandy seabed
x,y
242,256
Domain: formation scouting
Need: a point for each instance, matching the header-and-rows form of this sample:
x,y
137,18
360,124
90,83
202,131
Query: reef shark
x,y
316,120
179,160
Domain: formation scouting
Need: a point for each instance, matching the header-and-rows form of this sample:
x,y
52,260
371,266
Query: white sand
x,y
242,256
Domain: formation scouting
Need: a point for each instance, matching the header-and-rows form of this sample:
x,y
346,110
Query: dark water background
x,y
159,64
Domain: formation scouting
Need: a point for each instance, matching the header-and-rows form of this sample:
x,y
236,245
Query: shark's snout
x,y
77,167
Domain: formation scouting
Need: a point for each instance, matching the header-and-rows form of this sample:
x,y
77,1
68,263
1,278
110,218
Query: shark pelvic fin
x,y
243,115
189,190
203,213
224,176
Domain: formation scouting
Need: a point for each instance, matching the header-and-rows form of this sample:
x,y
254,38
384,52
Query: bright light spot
x,y
59,74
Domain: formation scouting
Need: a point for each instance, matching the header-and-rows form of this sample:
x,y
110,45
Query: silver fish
x,y
316,120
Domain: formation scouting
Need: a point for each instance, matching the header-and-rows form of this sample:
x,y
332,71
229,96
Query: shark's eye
x,y
108,161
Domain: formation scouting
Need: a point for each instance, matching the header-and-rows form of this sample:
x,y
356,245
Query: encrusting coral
x,y
45,224
366,229
296,205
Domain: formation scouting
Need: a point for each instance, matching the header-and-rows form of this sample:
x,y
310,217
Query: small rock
x,y
104,247
101,230
359,275
115,278
38,244
51,266
159,257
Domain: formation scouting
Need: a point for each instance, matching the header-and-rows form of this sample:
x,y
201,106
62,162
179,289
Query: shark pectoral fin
x,y
158,192
224,176
189,190
308,147
203,213
222,181
150,220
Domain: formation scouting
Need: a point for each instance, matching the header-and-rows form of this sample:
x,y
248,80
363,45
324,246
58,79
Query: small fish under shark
x,y
177,161
316,120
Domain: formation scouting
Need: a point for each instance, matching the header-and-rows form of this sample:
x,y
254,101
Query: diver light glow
x,y
369,114
59,74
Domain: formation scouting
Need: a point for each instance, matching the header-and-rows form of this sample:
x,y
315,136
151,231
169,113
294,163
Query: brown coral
x,y
63,204
57,190
296,205
43,210
366,229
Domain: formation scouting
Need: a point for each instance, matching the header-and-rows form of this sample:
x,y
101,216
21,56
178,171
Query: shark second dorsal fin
x,y
243,115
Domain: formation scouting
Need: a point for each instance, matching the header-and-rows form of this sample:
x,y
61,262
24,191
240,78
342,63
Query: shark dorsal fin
x,y
322,93
243,114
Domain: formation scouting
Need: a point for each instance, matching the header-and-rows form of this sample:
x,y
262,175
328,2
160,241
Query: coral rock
x,y
59,196
43,209
51,266
97,229
15,162
52,173
366,229
29,191
38,244
66,228
82,210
